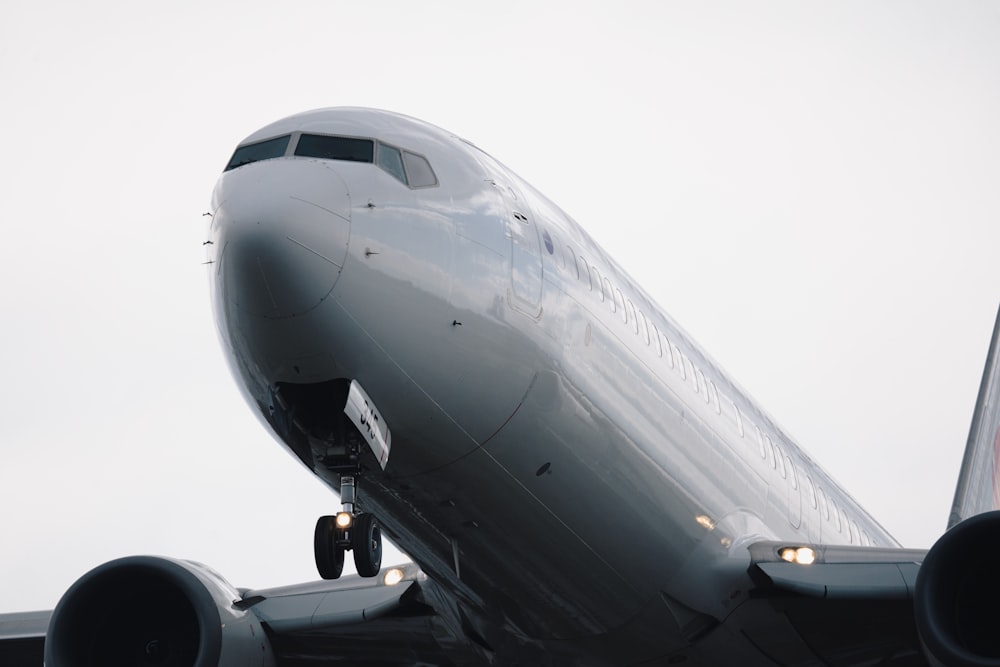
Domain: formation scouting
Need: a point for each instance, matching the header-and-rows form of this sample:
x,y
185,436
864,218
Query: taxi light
x,y
392,577
344,520
798,555
805,556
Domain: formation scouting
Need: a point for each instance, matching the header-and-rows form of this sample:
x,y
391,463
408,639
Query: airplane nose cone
x,y
284,227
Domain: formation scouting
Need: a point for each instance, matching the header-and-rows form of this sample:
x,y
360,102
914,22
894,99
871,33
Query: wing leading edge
x,y
362,621
130,606
852,606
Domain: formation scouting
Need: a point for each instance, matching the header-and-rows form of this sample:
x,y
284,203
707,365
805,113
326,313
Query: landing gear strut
x,y
348,530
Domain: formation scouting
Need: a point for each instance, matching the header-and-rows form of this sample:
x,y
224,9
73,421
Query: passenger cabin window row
x,y
813,498
408,168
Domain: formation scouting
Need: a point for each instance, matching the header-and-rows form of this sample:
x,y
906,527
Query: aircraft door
x,y
525,293
526,258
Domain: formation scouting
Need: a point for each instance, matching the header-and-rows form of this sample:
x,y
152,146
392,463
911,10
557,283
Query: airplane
x,y
576,481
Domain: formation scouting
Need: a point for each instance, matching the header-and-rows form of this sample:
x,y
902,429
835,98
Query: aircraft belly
x,y
599,440
479,534
559,445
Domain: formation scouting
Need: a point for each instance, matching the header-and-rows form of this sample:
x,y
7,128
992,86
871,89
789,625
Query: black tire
x,y
366,538
329,556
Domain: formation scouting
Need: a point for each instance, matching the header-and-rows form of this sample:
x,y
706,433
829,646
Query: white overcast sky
x,y
809,188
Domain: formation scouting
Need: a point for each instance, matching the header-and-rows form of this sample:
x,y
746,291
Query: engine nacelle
x,y
146,610
957,596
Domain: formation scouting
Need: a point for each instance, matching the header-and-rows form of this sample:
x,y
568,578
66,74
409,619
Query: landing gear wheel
x,y
329,556
366,540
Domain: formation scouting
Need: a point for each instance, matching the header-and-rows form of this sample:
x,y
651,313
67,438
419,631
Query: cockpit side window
x,y
418,171
326,147
409,168
391,160
261,150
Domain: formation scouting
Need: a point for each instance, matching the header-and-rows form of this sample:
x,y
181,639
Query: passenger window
x,y
418,171
823,504
630,315
570,259
713,393
701,384
841,520
668,348
659,343
791,471
739,421
614,296
688,370
681,366
584,271
855,534
620,302
780,459
391,160
596,279
643,326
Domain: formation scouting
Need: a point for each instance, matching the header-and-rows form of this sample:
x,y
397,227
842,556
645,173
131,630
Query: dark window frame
x,y
245,150
335,147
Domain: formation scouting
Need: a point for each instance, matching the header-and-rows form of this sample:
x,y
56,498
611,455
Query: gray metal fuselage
x,y
565,460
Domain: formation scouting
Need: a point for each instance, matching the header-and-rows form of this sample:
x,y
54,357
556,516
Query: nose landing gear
x,y
367,541
348,530
327,548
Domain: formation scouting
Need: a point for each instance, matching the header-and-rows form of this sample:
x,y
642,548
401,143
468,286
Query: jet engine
x,y
147,610
956,595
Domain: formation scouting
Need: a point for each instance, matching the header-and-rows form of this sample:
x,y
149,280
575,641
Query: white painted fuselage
x,y
565,460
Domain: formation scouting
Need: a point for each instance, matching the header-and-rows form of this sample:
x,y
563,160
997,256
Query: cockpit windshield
x,y
327,147
262,150
408,168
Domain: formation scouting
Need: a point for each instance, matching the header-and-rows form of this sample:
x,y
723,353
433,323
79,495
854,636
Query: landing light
x,y
800,555
392,577
344,520
705,521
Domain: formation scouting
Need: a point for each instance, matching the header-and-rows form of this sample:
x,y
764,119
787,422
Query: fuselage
x,y
565,459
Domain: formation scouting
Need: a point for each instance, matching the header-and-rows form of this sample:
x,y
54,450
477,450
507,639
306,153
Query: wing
x,y
153,610
851,606
22,638
362,621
